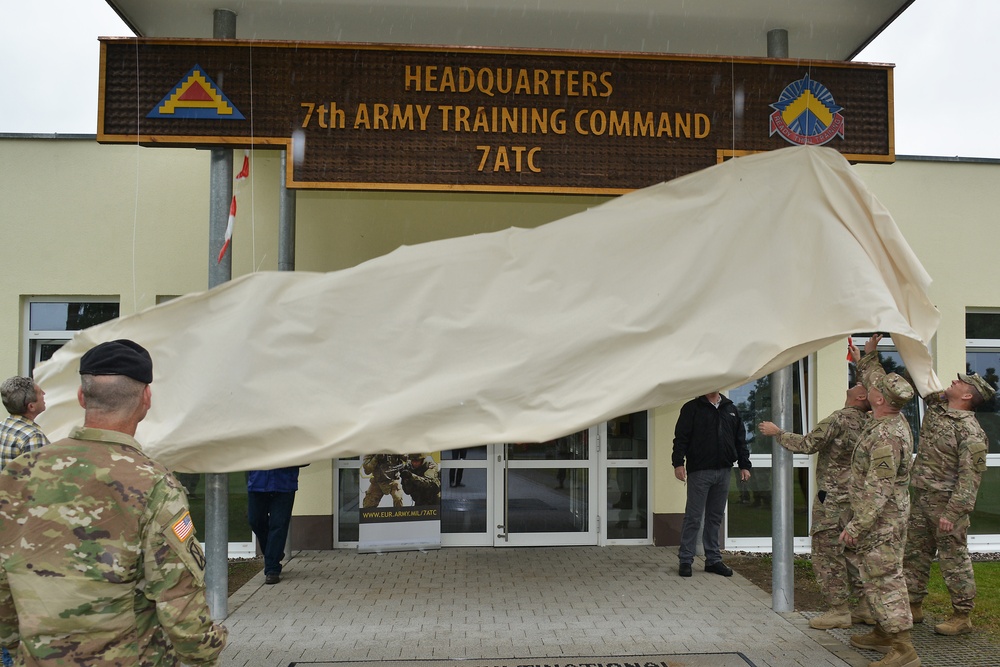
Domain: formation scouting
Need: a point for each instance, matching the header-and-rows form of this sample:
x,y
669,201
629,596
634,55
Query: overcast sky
x,y
944,54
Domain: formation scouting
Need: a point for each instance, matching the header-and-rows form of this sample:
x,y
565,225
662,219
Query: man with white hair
x,y
19,433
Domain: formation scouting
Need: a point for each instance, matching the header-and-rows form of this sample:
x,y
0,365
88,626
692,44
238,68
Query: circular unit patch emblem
x,y
806,114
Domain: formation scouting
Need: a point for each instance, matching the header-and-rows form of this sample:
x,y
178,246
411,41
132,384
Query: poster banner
x,y
400,502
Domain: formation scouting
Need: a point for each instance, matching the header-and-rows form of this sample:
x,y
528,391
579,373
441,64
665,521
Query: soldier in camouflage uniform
x,y
880,506
946,476
421,480
99,562
833,439
384,471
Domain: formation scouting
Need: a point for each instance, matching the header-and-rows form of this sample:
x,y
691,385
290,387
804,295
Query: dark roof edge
x,y
944,158
878,32
125,19
42,135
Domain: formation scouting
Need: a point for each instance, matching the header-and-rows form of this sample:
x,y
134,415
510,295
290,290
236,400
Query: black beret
x,y
119,357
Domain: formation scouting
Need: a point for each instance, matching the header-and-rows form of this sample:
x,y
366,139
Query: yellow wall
x,y
82,219
337,230
949,213
68,220
79,219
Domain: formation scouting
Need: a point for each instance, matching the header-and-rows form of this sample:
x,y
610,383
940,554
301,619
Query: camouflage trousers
x,y
377,490
924,538
836,577
880,563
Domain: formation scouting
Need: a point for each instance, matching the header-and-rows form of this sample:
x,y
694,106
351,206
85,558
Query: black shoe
x,y
272,578
684,570
720,568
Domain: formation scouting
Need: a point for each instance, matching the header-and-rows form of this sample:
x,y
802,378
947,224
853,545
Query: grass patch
x,y
242,570
986,616
937,605
757,568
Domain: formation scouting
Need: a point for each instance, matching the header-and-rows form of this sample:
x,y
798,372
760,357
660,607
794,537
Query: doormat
x,y
670,660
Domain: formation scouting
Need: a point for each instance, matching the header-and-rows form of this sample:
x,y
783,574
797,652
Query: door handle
x,y
505,536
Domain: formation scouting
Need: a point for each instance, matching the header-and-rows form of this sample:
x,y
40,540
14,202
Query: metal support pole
x,y
782,552
286,256
286,221
217,484
783,533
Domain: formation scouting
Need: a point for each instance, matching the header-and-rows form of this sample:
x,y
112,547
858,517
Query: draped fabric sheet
x,y
666,293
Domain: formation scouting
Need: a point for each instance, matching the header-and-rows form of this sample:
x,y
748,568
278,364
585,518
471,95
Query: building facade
x,y
92,232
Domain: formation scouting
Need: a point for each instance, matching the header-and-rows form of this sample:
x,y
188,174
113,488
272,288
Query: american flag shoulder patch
x,y
183,527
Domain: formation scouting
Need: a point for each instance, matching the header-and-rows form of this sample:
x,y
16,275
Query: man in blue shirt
x,y
270,496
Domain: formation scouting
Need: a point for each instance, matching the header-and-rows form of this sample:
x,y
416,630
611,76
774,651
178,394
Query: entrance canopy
x,y
701,283
834,30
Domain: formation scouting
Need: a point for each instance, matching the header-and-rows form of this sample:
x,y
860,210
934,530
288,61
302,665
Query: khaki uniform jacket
x,y
99,562
833,439
880,472
951,457
880,497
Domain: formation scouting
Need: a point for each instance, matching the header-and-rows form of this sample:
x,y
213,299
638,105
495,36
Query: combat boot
x,y
863,613
876,640
958,624
902,653
917,611
837,617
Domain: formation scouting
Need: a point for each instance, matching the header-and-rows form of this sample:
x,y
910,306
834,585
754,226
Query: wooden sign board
x,y
384,117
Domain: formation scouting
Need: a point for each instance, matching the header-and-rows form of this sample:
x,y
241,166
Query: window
x,y
52,321
982,356
892,362
627,478
749,510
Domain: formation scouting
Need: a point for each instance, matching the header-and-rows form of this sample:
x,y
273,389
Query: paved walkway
x,y
482,603
560,602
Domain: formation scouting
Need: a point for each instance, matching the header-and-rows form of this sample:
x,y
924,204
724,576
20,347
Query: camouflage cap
x,y
981,385
896,390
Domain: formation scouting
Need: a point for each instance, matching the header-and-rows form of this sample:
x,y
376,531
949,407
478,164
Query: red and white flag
x,y
244,173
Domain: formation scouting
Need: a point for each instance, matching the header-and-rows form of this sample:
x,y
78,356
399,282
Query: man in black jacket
x,y
710,436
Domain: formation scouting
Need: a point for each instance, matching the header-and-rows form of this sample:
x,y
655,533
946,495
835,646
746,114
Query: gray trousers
x,y
707,493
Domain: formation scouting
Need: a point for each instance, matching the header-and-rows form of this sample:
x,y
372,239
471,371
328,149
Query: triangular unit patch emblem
x,y
196,96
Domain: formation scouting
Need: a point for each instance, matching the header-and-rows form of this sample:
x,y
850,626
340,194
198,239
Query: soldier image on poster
x,y
384,471
421,480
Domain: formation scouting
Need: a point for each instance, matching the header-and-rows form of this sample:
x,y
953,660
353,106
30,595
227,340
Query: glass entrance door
x,y
546,492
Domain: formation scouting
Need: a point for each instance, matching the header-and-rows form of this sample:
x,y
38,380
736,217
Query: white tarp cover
x,y
666,293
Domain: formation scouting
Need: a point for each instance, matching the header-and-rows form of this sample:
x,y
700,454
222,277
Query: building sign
x,y
436,118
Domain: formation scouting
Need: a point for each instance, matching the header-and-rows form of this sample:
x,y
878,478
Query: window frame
x,y
33,338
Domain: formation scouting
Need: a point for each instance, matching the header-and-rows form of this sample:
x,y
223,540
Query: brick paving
x,y
485,603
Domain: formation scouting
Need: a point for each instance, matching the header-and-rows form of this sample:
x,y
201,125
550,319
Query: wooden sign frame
x,y
391,117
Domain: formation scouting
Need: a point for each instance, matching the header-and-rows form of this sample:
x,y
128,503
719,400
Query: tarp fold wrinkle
x,y
666,293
